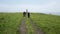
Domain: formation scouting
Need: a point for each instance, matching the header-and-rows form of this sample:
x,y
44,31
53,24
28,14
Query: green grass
x,y
9,23
29,26
50,24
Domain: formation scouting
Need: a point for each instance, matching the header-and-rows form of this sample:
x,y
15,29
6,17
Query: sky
x,y
40,6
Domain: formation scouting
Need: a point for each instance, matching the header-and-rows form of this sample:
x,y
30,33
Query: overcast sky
x,y
45,6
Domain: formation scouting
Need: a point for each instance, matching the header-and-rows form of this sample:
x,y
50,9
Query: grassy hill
x,y
9,22
50,24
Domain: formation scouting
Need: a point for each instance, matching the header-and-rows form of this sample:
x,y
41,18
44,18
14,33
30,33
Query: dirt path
x,y
36,30
22,27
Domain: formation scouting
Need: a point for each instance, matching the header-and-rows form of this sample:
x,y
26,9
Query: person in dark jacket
x,y
24,14
28,15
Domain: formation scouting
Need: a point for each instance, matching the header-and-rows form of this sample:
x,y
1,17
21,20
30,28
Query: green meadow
x,y
10,22
49,24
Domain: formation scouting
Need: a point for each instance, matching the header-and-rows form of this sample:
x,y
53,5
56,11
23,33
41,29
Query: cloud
x,y
50,7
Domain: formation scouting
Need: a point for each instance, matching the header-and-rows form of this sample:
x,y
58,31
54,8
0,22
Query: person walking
x,y
24,14
28,15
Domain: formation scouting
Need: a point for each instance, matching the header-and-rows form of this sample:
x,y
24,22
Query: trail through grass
x,y
29,27
10,22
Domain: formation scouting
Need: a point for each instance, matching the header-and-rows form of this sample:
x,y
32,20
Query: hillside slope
x,y
50,24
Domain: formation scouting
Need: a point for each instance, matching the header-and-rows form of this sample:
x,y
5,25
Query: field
x,y
10,23
50,24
